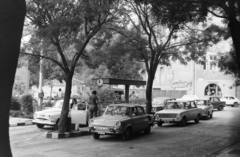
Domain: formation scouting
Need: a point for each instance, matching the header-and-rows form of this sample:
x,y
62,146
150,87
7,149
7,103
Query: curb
x,y
20,124
57,135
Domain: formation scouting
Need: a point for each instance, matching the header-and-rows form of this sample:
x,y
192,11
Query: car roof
x,y
164,98
181,100
126,105
202,98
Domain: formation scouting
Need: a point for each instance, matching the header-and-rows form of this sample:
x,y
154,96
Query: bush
x,y
48,104
15,105
26,104
21,114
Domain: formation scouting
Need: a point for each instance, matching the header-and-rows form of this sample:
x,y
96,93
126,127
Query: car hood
x,y
109,120
50,111
170,111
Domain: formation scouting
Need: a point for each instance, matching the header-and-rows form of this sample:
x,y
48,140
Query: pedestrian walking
x,y
60,94
74,102
93,102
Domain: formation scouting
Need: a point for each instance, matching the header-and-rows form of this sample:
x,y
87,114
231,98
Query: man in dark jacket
x,y
93,102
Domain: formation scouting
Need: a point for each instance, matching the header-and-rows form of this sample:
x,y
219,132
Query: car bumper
x,y
42,121
167,120
105,130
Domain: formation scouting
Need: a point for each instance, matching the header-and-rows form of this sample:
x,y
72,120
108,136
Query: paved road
x,y
208,138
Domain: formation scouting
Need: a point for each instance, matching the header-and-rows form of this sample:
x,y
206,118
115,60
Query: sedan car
x,y
206,106
121,119
158,103
51,116
179,111
231,101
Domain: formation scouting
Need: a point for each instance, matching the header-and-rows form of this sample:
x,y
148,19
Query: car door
x,y
188,111
136,120
194,110
231,100
143,119
79,113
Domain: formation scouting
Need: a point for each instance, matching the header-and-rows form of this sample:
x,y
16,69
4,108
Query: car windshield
x,y
201,102
117,110
175,105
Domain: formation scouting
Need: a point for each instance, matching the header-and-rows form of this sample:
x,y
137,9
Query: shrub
x,y
47,104
15,105
26,104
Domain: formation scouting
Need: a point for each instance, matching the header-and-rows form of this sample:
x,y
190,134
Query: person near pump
x,y
93,104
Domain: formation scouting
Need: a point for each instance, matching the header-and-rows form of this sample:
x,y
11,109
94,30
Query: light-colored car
x,y
231,100
206,106
158,103
179,111
50,117
121,119
189,97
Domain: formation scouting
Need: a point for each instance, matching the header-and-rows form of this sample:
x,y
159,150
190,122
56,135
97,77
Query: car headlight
x,y
118,124
204,111
50,117
178,116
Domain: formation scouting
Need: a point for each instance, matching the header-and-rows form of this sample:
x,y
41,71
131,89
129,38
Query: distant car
x,y
179,111
51,116
216,102
121,119
231,101
206,106
189,97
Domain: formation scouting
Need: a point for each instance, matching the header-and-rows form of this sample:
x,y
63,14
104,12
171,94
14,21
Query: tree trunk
x,y
12,14
63,125
149,93
234,27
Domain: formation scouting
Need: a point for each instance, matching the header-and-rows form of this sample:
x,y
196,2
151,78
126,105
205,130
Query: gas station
x,y
113,81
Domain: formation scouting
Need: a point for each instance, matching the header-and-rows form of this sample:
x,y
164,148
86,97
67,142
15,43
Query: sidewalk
x,y
14,121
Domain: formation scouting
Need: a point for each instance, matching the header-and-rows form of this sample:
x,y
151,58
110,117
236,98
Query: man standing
x,y
93,102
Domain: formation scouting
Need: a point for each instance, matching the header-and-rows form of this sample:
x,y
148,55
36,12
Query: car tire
x,y
126,135
40,125
235,104
96,135
197,119
148,130
220,108
159,123
183,122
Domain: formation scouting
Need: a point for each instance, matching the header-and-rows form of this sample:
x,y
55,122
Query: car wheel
x,y
183,122
220,108
197,119
148,130
96,135
235,104
126,135
159,123
40,125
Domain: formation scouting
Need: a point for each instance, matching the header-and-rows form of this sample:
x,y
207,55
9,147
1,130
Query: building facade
x,y
199,79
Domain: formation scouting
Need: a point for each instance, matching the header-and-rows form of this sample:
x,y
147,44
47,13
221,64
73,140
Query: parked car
x,y
216,102
179,111
50,117
121,119
231,100
206,106
158,103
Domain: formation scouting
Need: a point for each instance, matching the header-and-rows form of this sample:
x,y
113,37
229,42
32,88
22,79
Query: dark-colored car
x,y
216,102
121,119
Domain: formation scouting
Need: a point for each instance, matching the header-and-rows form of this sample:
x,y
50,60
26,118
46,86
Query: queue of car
x,y
124,119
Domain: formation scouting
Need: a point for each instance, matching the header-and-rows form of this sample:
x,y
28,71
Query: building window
x,y
204,63
213,89
213,62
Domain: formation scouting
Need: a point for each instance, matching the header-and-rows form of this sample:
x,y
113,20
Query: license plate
x,y
101,132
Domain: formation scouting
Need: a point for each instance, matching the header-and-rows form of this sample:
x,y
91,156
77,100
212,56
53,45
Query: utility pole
x,y
40,95
194,78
